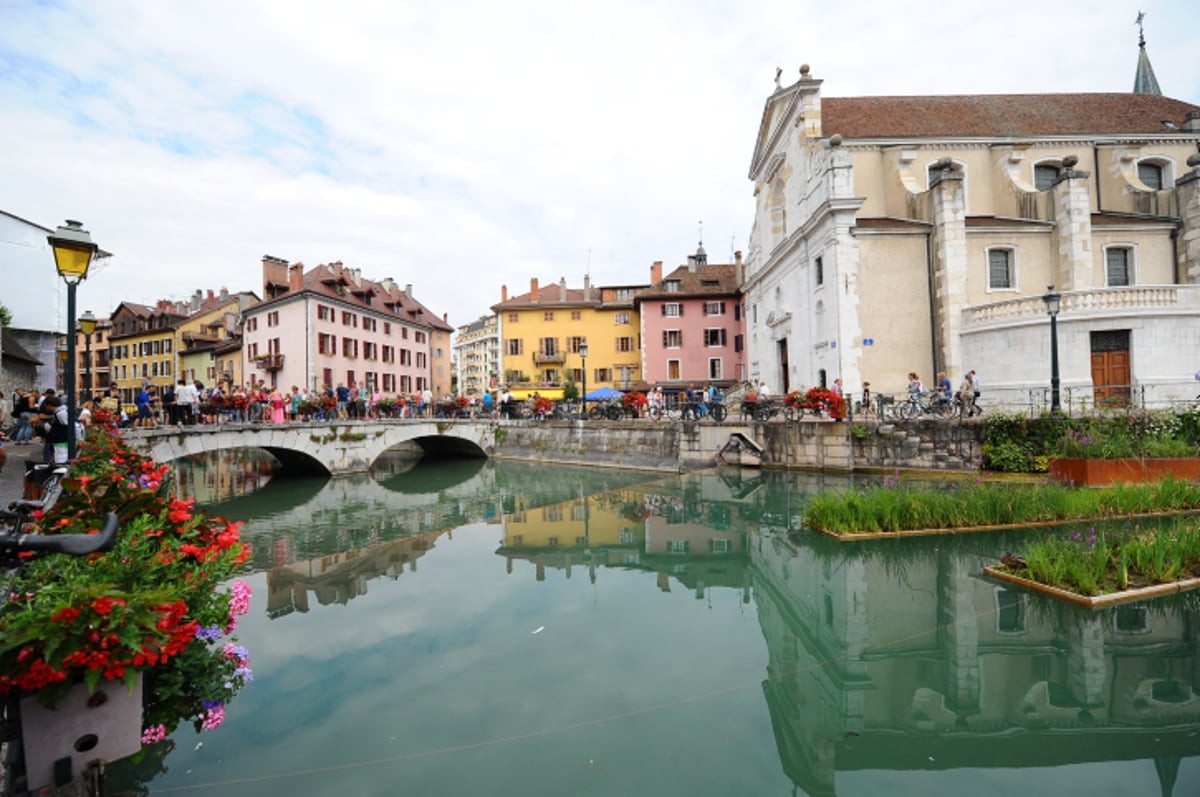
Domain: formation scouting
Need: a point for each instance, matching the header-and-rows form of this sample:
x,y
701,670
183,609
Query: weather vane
x,y
1141,31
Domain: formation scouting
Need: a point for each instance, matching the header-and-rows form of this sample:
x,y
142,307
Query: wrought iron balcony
x,y
542,358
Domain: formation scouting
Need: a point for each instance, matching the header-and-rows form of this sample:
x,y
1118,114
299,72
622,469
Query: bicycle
x,y
930,403
605,411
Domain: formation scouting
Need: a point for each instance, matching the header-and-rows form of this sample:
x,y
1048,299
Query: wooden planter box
x,y
1098,601
1100,472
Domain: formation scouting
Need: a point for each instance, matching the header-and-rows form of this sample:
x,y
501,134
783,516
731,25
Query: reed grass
x,y
1111,561
894,507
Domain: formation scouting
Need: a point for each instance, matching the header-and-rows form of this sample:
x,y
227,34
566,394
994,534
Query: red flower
x,y
104,604
180,511
66,615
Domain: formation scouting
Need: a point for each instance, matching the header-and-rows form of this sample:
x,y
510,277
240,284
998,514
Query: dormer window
x,y
671,286
1044,175
1151,174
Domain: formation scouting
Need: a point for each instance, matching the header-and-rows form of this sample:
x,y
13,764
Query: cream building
x,y
477,355
897,234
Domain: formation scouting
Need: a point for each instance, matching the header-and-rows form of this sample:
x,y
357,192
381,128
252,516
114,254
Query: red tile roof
x,y
1001,115
691,283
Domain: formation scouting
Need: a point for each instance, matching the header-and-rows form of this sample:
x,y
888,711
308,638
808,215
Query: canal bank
x,y
805,445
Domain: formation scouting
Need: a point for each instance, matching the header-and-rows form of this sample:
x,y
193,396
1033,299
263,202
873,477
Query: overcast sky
x,y
459,146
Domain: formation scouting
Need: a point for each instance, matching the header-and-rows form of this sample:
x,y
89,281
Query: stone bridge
x,y
326,448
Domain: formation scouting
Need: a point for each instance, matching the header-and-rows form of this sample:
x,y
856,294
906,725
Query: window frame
x,y
1046,163
1013,282
1165,171
1130,251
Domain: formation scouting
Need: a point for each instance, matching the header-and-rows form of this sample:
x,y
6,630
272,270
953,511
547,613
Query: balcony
x,y
269,362
553,358
1140,300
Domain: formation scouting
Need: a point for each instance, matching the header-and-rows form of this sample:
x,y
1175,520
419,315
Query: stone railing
x,y
1141,297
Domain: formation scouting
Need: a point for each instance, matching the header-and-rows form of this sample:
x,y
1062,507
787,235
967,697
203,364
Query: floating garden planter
x,y
892,509
1103,568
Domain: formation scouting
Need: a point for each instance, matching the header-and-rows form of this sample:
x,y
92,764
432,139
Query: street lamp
x,y
73,252
583,356
1053,300
87,325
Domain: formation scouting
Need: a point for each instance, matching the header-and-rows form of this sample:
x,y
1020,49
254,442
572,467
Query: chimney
x,y
562,289
224,293
211,295
533,289
587,287
691,264
296,278
274,273
503,293
739,270
656,272
1191,122
408,289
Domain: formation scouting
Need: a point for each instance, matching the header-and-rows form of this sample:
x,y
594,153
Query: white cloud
x,y
459,148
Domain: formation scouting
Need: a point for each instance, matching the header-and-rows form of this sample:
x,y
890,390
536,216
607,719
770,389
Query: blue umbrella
x,y
603,394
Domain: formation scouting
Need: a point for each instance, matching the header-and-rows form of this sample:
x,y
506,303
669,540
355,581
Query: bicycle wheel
x,y
717,412
595,413
613,413
906,410
762,413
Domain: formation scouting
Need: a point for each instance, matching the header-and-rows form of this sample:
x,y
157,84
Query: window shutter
x,y
664,308
664,339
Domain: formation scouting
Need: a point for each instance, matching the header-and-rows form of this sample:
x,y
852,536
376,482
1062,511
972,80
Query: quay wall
x,y
679,446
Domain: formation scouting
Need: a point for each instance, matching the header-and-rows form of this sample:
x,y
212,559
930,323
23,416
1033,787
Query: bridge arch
x,y
333,449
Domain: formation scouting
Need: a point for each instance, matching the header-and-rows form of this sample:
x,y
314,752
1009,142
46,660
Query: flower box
x,y
105,724
1099,472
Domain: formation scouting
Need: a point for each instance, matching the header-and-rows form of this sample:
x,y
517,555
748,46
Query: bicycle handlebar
x,y
70,544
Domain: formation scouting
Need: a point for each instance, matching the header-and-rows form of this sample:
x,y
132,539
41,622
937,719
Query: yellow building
x,y
141,347
542,335
214,321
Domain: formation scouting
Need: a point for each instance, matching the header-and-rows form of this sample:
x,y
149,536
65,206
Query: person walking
x,y
966,395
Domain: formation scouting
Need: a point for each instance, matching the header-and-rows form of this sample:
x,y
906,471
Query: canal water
x,y
469,627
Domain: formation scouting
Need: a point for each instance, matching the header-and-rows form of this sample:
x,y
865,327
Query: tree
x,y
570,390
5,316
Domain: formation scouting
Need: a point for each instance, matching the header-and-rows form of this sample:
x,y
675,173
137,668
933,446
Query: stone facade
x,y
898,234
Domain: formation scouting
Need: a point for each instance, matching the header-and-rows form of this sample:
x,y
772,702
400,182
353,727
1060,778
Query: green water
x,y
490,628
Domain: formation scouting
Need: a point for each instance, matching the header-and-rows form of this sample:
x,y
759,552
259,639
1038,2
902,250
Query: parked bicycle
x,y
930,404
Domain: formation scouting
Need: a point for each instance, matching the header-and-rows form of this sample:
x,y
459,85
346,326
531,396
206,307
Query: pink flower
x,y
154,734
213,718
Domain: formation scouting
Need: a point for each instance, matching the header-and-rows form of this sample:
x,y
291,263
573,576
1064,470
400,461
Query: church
x,y
935,233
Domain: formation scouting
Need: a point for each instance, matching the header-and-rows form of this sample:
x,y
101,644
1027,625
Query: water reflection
x,y
712,620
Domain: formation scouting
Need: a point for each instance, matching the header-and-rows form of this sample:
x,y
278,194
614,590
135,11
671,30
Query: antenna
x,y
702,232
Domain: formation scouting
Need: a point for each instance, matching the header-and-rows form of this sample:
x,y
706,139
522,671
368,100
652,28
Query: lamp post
x,y
73,252
87,325
1053,300
583,357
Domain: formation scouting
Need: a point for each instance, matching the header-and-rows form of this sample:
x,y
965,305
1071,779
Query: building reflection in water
x,y
888,658
925,664
879,656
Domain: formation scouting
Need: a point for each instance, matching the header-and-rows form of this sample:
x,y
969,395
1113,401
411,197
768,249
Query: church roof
x,y
1002,115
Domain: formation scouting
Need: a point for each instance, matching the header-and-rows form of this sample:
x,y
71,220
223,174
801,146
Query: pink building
x,y
692,325
331,326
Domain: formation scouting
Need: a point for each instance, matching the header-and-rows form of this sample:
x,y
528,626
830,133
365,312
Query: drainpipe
x,y
1096,171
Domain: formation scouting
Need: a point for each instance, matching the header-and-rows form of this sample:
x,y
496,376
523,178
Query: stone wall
x,y
932,445
619,444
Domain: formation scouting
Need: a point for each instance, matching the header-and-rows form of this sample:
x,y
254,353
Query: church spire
x,y
1144,81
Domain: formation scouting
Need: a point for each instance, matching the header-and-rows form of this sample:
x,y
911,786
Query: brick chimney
x,y
533,289
274,273
656,272
503,293
296,278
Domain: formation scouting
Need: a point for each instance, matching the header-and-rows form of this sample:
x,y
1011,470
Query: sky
x,y
463,146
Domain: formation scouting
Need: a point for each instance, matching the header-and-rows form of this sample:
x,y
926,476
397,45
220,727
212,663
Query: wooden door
x,y
1111,377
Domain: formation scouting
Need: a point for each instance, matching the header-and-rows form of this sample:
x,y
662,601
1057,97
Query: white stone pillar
x,y
1075,266
949,208
1187,190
